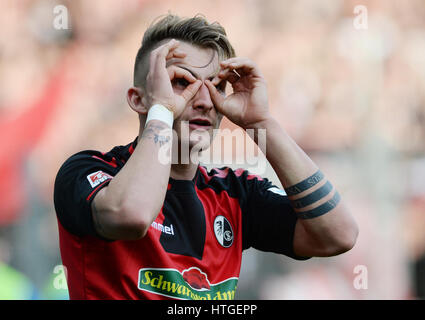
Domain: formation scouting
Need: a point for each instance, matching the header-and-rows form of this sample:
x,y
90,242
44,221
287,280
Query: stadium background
x,y
352,98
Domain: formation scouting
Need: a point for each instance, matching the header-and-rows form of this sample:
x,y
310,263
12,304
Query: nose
x,y
203,99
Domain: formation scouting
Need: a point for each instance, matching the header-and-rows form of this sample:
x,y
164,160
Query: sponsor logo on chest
x,y
190,284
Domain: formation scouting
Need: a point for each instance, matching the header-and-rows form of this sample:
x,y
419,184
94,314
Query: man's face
x,y
200,117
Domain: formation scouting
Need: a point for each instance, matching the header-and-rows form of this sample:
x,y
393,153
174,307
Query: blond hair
x,y
196,31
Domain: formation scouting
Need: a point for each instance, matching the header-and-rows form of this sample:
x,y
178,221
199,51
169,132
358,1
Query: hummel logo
x,y
162,228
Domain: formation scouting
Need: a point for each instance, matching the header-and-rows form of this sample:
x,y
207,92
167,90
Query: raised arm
x,y
325,227
126,208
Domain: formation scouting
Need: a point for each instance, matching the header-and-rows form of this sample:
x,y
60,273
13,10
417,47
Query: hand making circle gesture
x,y
159,89
248,104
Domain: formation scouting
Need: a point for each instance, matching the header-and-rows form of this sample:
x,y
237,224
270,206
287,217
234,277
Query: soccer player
x,y
134,224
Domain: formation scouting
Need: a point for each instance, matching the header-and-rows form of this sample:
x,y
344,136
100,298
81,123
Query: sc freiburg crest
x,y
223,231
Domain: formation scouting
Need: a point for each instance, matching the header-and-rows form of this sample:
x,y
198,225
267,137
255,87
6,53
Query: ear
x,y
136,100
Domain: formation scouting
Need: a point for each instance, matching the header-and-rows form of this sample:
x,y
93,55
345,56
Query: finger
x,y
227,74
172,44
176,72
168,50
243,66
215,81
191,90
236,60
163,50
175,53
216,96
158,56
219,84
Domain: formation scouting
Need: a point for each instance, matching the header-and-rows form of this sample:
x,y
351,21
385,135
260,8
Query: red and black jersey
x,y
192,250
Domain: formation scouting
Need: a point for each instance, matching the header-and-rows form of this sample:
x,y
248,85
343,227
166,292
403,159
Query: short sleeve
x,y
268,219
79,179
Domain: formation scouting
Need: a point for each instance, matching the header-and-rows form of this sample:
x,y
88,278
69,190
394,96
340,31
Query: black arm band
x,y
322,209
313,197
305,184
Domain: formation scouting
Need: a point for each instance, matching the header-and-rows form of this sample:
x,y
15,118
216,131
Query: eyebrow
x,y
193,73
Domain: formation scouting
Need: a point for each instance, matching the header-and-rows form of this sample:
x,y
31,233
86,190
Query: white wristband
x,y
161,113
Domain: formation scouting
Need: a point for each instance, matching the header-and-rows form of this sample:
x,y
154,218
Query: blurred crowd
x,y
353,98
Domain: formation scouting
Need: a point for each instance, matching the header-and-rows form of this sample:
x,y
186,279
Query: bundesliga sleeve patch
x,y
97,178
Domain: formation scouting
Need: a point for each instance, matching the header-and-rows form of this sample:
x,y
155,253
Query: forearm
x,y
325,226
289,161
135,195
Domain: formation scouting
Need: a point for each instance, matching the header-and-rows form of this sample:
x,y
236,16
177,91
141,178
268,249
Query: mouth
x,y
200,124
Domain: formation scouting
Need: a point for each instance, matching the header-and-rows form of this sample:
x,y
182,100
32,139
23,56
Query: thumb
x,y
216,96
191,90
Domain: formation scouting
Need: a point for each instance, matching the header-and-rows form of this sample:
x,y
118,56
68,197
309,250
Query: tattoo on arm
x,y
311,198
159,133
305,184
307,196
322,209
